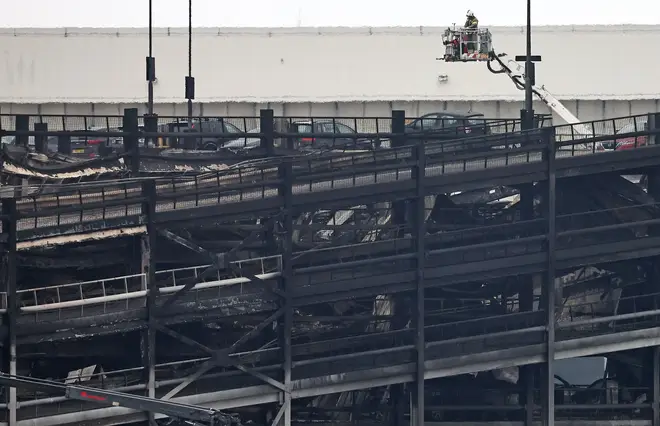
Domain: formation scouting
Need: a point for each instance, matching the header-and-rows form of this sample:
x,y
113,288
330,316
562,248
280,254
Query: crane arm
x,y
119,399
516,72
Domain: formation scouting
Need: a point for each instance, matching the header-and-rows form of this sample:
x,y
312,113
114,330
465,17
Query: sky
x,y
292,13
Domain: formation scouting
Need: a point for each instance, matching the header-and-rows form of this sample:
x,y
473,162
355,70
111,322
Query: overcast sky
x,y
290,13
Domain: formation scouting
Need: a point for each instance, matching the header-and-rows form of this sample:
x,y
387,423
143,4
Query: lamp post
x,y
527,113
190,81
151,64
529,72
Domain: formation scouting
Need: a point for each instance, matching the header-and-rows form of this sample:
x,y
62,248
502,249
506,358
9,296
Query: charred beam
x,y
9,224
655,392
551,215
419,231
213,257
148,269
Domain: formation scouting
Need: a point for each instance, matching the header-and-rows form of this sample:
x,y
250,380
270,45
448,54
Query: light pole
x,y
151,64
527,113
190,81
529,71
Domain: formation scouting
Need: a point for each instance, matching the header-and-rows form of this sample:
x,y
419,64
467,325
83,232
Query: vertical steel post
x,y
10,215
41,141
286,192
400,316
267,127
150,126
398,128
398,140
526,292
655,391
549,382
148,244
130,125
653,125
22,125
419,222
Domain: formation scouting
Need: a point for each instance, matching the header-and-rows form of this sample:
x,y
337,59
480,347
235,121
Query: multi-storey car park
x,y
392,274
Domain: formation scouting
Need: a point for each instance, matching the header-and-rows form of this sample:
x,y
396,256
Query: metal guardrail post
x,y
130,125
9,211
64,144
266,125
22,125
41,141
654,126
150,126
398,128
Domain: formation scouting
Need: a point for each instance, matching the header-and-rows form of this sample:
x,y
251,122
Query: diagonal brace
x,y
221,356
256,330
219,260
279,415
203,369
188,286
252,238
215,258
253,278
182,338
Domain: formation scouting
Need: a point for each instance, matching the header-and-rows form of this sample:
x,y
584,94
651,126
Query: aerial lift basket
x,y
466,44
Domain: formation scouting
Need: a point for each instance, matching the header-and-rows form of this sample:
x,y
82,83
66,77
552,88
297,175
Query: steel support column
x,y
22,125
400,315
266,125
285,191
526,290
653,123
9,214
40,141
419,223
549,296
148,269
655,391
130,124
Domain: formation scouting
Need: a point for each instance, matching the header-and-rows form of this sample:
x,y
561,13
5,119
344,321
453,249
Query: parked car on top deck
x,y
345,138
203,125
630,142
441,126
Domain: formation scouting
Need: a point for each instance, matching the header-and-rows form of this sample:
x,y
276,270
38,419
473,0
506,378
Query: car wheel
x,y
210,146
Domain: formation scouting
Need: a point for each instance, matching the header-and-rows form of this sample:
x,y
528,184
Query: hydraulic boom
x,y
516,72
192,414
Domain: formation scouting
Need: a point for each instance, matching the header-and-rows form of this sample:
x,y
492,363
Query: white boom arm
x,y
516,72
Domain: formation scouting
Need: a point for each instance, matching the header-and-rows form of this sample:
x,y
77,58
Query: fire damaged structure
x,y
393,277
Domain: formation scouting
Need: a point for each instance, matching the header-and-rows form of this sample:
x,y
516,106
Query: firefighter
x,y
471,22
471,26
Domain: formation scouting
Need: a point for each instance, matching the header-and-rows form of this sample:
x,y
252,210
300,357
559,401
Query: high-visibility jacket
x,y
472,22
